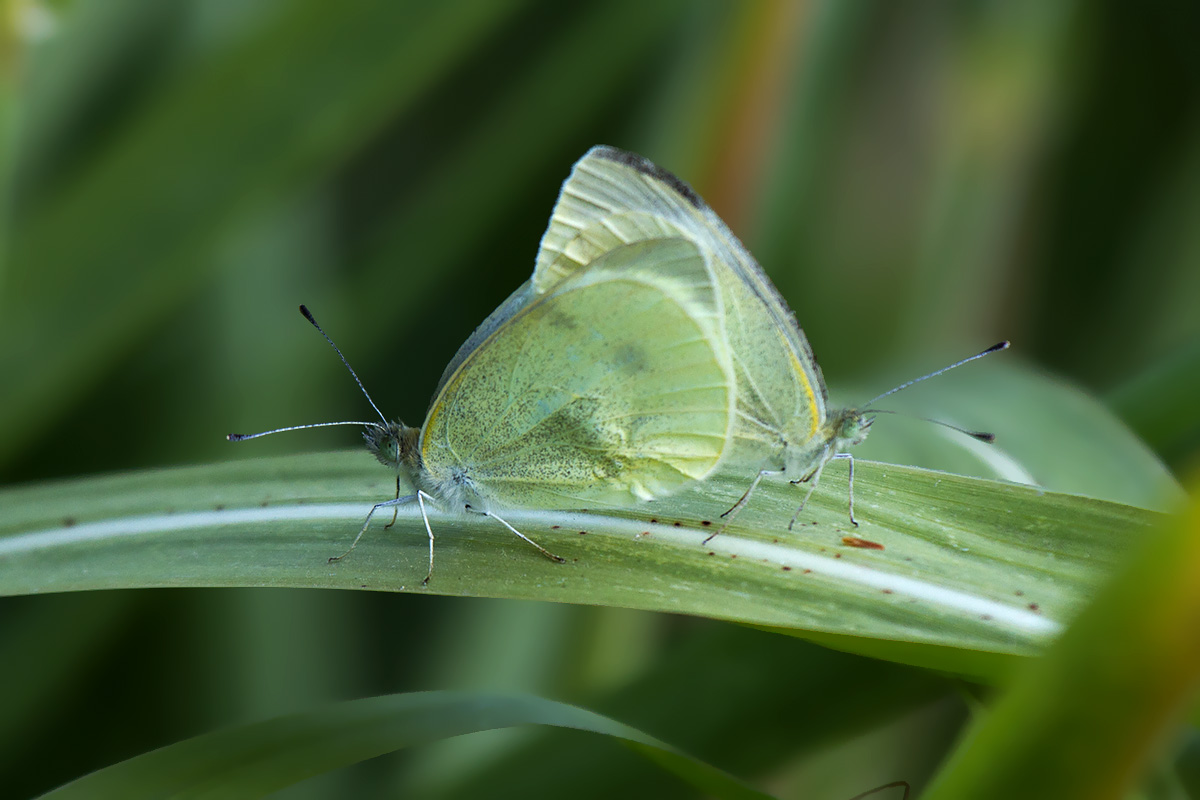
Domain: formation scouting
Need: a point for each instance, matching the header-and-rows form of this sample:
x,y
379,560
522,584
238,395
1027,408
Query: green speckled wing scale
x,y
614,386
613,198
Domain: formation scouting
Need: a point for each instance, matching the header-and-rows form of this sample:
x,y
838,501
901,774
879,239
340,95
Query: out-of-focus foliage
x,y
919,179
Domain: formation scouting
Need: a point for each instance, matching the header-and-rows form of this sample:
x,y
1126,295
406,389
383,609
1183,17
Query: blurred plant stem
x,y
20,21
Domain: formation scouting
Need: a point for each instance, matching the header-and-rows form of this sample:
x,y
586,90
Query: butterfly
x,y
784,424
613,387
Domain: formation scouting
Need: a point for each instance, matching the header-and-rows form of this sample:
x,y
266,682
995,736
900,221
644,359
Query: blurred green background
x,y
920,180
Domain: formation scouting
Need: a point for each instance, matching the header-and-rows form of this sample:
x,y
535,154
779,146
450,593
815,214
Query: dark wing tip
x,y
648,167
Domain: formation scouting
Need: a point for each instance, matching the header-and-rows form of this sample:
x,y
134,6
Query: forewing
x,y
614,387
614,197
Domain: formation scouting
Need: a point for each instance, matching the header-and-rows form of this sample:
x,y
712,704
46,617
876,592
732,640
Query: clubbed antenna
x,y
982,436
241,437
992,349
308,316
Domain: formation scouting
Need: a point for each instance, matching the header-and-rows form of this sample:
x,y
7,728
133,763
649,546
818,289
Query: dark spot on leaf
x,y
264,504
653,521
583,533
1034,607
887,591
678,524
807,571
711,553
786,568
220,507
865,544
555,527
1019,593
837,555
986,617
68,522
706,522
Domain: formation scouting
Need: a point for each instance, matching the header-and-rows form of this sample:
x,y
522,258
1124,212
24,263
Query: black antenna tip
x,y
308,316
998,346
982,436
235,437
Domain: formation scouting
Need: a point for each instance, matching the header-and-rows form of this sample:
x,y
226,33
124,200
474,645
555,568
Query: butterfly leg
x,y
816,477
853,521
501,520
399,501
424,516
395,510
812,480
741,503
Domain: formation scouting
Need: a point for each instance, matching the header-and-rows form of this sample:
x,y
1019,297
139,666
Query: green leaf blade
x,y
256,759
964,563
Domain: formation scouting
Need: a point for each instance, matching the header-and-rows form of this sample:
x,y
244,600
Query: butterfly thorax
x,y
803,454
398,446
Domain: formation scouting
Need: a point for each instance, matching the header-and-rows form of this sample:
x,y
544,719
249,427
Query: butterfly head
x,y
395,445
849,428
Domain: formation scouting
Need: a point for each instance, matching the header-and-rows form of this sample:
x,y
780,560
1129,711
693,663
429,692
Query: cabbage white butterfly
x,y
784,425
613,387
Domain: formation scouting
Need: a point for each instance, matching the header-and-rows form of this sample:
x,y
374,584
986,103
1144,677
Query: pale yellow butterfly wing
x,y
613,197
613,387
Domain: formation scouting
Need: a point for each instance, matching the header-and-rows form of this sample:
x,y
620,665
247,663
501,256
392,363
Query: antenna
x,y
241,437
308,316
992,349
982,436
